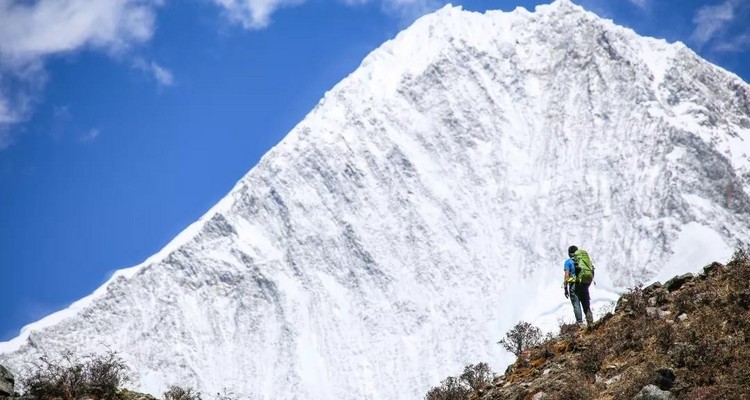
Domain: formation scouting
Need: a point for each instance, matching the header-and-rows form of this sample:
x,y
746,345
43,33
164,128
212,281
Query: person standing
x,y
579,273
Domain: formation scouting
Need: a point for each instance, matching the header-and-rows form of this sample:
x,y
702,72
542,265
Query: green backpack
x,y
584,268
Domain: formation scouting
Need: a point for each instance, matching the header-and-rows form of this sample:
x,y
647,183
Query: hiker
x,y
579,273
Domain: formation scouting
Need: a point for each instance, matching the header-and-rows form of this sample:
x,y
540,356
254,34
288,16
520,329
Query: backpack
x,y
584,268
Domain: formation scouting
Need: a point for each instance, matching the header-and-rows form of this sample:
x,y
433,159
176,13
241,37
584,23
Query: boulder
x,y
539,396
651,392
7,382
665,378
708,269
677,282
652,287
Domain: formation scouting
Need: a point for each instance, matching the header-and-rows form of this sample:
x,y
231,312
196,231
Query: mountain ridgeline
x,y
425,205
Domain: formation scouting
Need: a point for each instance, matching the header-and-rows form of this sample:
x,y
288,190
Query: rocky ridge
x,y
688,338
7,383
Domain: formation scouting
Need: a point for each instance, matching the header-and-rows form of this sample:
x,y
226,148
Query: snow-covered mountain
x,y
426,205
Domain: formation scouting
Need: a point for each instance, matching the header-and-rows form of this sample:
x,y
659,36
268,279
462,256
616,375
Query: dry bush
x,y
521,337
665,337
591,359
97,377
104,375
708,393
451,388
633,380
474,378
740,256
574,388
547,349
630,336
635,301
684,302
181,393
477,376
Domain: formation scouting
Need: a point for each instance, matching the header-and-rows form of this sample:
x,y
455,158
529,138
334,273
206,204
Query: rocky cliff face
x,y
7,383
424,207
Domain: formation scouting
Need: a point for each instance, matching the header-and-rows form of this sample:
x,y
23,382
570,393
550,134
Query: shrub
x,y
740,256
97,377
591,360
104,375
665,337
477,376
180,393
451,388
521,337
474,378
635,300
633,380
574,388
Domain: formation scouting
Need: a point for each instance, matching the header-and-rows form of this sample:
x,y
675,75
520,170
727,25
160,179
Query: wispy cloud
x,y
91,135
409,10
723,27
162,75
32,31
711,21
640,3
736,44
256,14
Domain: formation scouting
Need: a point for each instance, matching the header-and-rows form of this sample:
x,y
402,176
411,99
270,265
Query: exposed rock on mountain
x,y
7,382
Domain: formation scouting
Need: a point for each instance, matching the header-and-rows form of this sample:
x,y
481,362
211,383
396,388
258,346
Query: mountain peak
x,y
565,6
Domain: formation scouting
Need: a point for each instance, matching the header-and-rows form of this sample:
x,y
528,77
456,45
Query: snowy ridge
x,y
121,274
425,206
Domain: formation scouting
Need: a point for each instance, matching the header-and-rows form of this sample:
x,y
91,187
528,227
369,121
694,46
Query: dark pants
x,y
579,296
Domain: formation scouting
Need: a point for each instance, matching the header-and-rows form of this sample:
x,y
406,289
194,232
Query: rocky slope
x,y
686,339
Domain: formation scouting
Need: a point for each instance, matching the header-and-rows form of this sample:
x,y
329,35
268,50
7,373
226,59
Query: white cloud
x,y
162,75
32,31
90,135
735,44
29,30
640,3
409,10
254,14
711,21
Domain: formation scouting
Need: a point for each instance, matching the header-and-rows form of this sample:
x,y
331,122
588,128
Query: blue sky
x,y
123,121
